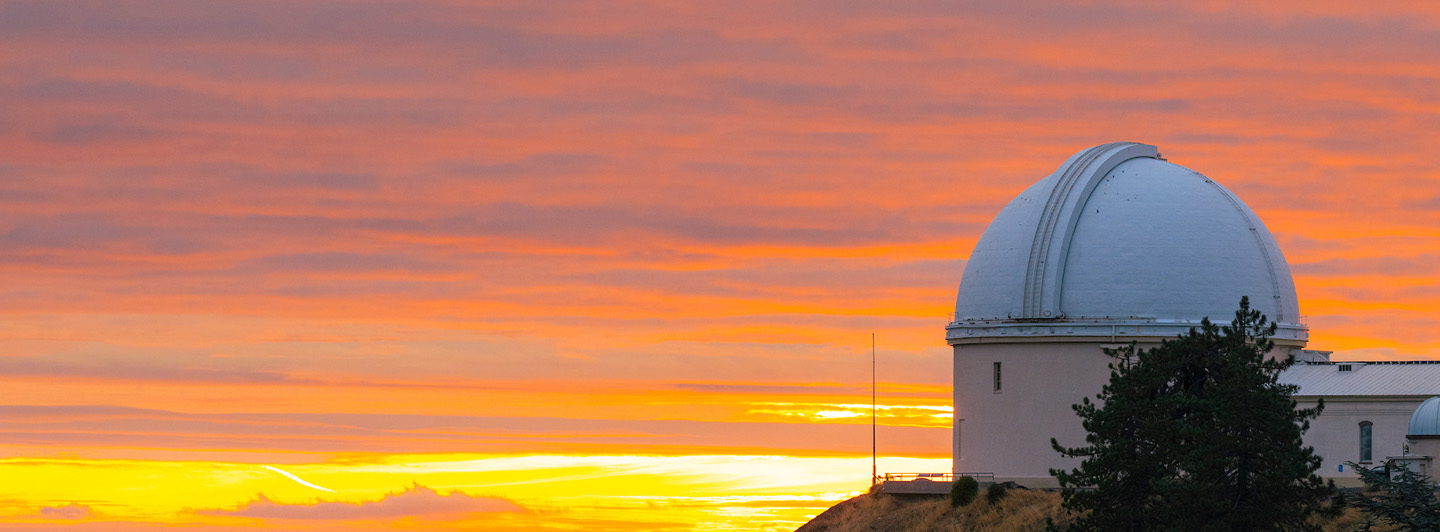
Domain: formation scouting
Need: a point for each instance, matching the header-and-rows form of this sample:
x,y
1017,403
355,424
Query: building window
x,y
1365,427
997,377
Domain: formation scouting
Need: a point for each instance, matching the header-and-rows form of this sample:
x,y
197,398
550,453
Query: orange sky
x,y
379,243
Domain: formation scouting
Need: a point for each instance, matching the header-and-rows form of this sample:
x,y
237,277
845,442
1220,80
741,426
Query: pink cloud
x,y
73,510
418,501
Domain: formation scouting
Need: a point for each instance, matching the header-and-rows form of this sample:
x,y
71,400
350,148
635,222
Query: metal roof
x,y
1426,419
1328,379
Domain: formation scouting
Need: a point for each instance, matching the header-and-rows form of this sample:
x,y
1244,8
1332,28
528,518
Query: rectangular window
x,y
997,377
1365,441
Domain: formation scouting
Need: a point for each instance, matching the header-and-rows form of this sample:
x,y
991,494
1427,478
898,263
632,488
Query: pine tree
x,y
1196,434
1405,500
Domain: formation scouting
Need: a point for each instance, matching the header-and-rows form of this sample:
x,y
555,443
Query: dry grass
x,y
1347,522
1019,511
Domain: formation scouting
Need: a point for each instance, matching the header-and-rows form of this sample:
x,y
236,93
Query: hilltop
x,y
1020,511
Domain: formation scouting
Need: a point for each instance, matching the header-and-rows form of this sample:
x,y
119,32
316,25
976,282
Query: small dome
x,y
1118,235
1426,419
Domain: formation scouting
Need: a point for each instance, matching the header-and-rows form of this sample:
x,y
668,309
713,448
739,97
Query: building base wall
x,y
1008,432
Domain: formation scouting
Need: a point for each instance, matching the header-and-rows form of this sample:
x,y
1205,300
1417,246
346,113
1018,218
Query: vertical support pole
x,y
874,471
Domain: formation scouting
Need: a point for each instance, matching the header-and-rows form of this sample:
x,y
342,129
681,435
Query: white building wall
x,y
1008,433
1336,433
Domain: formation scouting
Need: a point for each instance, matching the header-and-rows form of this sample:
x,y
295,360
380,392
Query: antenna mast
x,y
874,473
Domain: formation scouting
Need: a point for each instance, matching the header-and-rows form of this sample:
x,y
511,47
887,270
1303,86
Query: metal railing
x,y
937,477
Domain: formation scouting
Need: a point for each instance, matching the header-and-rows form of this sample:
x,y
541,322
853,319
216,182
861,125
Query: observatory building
x,y
1117,246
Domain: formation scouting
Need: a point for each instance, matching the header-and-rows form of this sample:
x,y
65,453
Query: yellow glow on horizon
x,y
709,490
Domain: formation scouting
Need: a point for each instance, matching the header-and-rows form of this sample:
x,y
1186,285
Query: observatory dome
x,y
1119,239
1426,419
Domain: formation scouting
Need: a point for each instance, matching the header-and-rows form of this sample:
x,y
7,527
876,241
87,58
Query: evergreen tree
x,y
1405,501
1196,434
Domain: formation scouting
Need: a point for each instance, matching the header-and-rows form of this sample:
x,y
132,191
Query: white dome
x,y
1426,419
1118,236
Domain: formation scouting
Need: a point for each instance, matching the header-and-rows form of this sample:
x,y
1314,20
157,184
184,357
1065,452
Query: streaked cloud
x,y
696,424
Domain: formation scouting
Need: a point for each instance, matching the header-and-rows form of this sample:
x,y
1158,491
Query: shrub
x,y
994,493
963,491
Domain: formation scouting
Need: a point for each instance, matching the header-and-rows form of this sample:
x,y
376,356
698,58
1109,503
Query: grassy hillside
x,y
1020,511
